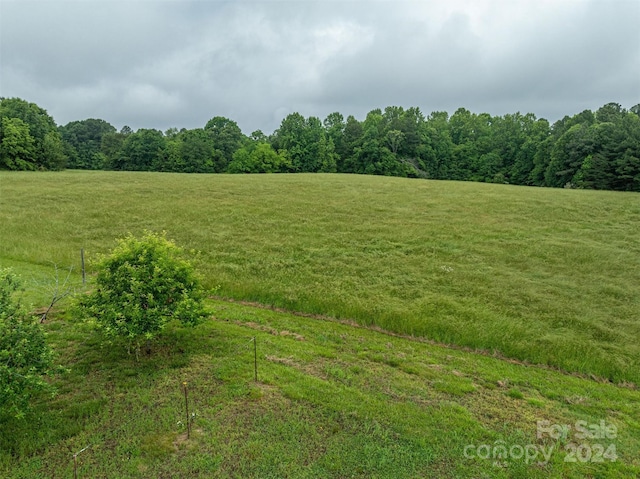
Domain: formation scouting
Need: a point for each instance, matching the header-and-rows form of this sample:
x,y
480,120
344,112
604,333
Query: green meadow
x,y
404,328
332,401
547,276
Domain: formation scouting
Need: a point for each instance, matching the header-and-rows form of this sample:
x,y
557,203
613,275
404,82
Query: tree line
x,y
596,150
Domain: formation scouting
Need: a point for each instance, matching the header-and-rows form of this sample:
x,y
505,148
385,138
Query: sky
x,y
166,63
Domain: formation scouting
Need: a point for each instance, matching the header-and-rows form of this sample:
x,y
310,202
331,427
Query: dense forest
x,y
596,150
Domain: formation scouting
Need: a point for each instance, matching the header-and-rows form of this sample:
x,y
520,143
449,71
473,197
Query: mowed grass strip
x,y
543,275
332,401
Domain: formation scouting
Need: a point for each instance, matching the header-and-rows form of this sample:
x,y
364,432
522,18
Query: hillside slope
x,y
332,401
547,276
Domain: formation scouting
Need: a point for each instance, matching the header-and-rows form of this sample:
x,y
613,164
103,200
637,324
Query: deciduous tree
x,y
45,142
17,146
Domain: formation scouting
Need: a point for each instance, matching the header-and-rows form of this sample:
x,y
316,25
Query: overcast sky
x,y
160,63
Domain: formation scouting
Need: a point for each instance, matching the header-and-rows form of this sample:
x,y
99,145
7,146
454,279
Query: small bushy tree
x,y
141,286
25,357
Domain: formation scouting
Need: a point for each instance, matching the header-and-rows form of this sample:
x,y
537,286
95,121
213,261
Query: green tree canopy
x,y
259,158
191,151
143,150
43,139
83,142
227,139
17,146
587,150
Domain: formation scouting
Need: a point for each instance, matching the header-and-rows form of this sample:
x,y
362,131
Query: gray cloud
x,y
157,64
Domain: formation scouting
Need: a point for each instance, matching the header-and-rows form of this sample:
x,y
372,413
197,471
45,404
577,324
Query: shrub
x,y
141,286
25,357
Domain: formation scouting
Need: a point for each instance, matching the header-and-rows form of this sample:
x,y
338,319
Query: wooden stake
x,y
84,279
186,407
255,359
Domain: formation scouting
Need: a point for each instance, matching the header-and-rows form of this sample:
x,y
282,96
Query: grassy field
x,y
543,275
392,269
332,401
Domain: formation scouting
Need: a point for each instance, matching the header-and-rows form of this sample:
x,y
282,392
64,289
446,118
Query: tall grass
x,y
547,276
